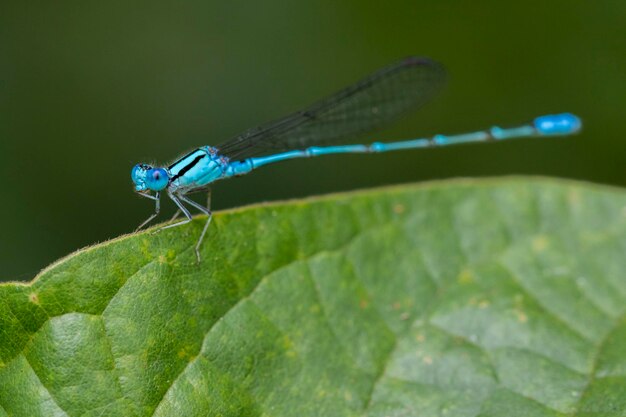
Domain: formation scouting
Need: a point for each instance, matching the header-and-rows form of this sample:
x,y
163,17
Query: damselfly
x,y
368,105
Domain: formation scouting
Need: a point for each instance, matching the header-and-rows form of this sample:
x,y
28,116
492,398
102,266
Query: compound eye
x,y
135,173
157,179
138,173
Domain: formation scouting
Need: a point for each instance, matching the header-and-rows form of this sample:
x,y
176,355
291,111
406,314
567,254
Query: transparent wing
x,y
370,104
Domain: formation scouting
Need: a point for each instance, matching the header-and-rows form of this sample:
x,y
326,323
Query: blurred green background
x,y
87,89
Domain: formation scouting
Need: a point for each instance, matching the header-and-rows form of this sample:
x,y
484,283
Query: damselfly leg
x,y
176,198
156,210
206,210
182,208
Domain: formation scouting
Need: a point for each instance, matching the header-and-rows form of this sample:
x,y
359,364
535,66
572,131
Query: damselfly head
x,y
147,178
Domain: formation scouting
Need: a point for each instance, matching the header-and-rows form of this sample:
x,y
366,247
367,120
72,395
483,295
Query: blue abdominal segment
x,y
549,125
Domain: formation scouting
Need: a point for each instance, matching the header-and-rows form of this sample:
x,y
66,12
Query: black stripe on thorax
x,y
187,167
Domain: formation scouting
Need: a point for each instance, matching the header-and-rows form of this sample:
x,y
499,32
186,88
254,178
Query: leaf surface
x,y
464,298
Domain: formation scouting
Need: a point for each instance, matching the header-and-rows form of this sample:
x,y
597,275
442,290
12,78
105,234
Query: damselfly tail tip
x,y
558,124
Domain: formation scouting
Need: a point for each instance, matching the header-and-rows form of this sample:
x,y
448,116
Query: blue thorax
x,y
196,169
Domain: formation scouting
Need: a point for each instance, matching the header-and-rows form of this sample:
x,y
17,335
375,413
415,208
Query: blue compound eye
x,y
138,173
157,179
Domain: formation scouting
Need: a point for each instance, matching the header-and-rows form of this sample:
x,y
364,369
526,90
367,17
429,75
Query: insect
x,y
370,104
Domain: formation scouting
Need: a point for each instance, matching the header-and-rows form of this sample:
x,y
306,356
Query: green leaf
x,y
463,298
